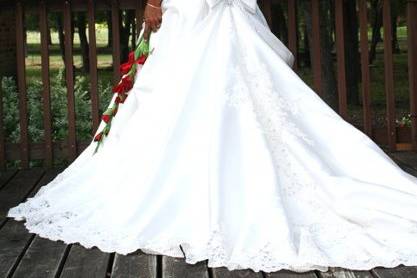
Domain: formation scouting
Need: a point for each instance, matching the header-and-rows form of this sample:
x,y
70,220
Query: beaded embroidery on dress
x,y
222,153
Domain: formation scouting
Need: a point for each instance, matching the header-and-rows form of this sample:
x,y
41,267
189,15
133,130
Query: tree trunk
x,y
49,36
376,8
125,29
133,31
61,36
306,42
353,69
82,34
110,30
394,19
279,25
327,67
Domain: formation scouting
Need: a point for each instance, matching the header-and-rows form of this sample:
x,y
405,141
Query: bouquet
x,y
128,70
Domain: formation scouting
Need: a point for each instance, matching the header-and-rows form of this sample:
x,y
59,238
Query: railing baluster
x,y
364,46
46,94
69,73
412,66
341,62
316,55
389,75
115,12
292,30
93,65
21,84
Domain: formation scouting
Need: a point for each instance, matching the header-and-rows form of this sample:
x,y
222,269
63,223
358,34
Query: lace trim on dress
x,y
317,240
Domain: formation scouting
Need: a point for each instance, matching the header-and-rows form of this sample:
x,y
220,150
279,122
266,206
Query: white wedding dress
x,y
222,152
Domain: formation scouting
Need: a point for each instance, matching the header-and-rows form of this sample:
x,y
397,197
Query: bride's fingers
x,y
155,24
159,22
151,25
147,32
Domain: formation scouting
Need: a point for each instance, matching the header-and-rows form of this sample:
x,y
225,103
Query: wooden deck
x,y
26,255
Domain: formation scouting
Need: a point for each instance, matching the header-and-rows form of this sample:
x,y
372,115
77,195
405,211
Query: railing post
x,y
316,55
2,141
69,74
21,85
46,99
341,62
389,75
412,66
292,30
364,46
93,64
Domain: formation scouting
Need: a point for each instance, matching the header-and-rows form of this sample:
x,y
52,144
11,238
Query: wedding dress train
x,y
222,152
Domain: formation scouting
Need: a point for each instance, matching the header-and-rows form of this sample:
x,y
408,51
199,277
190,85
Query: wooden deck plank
x,y
42,259
290,274
177,267
337,272
14,240
406,164
17,189
88,263
136,265
398,272
6,176
408,158
14,237
223,272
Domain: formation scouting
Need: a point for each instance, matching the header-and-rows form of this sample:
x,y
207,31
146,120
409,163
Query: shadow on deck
x,y
26,255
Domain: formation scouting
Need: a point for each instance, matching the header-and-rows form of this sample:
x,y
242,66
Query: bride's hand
x,y
153,17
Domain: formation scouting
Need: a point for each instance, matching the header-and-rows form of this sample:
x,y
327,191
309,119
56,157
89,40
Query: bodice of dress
x,y
197,5
248,4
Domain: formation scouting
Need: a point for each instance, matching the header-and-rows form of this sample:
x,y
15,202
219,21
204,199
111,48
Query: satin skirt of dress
x,y
221,150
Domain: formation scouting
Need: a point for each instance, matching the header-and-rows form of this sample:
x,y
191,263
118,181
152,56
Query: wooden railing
x,y
48,150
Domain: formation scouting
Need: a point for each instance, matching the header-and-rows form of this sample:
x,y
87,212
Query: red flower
x,y
106,118
127,82
98,137
142,59
125,68
122,98
124,85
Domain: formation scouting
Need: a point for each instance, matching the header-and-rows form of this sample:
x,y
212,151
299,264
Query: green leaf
x,y
109,111
106,129
142,48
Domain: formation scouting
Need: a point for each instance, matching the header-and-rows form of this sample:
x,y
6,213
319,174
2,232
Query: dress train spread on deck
x,y
222,152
